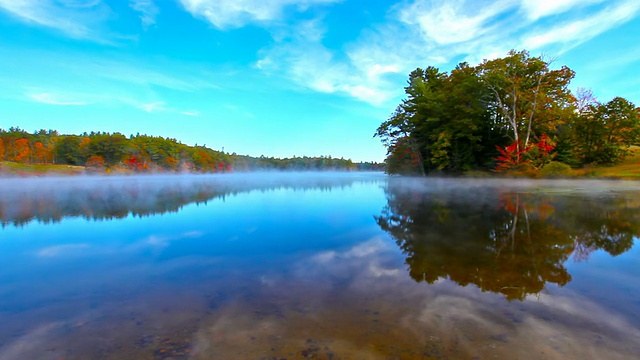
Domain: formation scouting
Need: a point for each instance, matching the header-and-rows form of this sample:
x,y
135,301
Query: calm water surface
x,y
322,266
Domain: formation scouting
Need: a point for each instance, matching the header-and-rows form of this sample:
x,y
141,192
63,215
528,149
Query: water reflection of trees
x,y
508,242
104,198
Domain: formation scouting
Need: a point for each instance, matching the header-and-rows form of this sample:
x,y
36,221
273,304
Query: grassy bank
x,y
8,168
629,169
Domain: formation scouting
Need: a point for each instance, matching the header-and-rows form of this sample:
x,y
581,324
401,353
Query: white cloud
x,y
142,74
240,112
449,22
434,32
75,18
108,74
235,13
147,9
157,106
536,9
64,99
370,68
305,60
51,99
153,107
577,31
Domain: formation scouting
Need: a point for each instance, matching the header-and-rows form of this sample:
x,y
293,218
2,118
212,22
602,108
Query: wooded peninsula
x,y
514,115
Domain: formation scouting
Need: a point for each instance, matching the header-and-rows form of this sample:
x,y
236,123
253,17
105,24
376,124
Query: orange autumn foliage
x,y
95,162
39,153
22,151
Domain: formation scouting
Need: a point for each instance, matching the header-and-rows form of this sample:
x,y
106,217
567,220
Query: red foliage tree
x,y
536,154
136,163
539,153
510,157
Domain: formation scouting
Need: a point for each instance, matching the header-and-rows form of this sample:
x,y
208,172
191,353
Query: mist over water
x,y
318,265
109,197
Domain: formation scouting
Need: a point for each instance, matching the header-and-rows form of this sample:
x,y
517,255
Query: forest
x,y
106,152
506,114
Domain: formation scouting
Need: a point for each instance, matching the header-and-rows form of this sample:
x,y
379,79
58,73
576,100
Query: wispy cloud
x,y
77,75
62,98
455,21
577,31
300,54
52,99
240,111
369,68
153,107
435,32
145,74
235,13
75,18
148,11
536,9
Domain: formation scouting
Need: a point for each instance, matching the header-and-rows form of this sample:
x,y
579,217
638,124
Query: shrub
x,y
555,168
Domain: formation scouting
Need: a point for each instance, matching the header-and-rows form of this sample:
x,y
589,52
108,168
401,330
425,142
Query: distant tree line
x,y
506,113
101,151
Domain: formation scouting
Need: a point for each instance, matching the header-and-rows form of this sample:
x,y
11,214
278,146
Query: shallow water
x,y
323,266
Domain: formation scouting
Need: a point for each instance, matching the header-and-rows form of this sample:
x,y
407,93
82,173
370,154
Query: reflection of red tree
x,y
541,208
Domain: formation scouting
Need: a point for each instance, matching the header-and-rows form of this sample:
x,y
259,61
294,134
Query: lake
x,y
318,265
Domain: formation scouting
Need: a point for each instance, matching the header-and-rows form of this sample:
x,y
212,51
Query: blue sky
x,y
280,77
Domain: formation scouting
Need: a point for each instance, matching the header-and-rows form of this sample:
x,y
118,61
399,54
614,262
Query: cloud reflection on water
x,y
336,288
338,303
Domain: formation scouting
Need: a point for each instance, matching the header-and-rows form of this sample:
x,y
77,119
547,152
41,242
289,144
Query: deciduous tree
x,y
604,132
526,94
